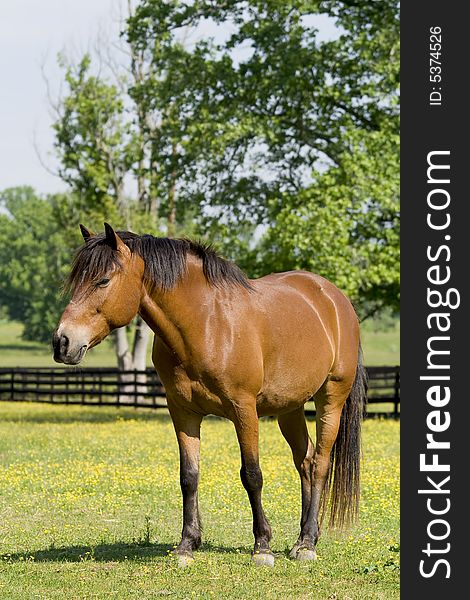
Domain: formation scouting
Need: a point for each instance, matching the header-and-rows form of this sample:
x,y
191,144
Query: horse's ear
x,y
112,238
86,233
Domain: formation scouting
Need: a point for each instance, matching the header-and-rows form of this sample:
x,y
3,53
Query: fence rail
x,y
91,386
384,387
111,387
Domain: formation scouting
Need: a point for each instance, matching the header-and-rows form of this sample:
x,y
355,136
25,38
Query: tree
x,y
278,145
345,227
297,135
92,143
34,257
96,148
107,134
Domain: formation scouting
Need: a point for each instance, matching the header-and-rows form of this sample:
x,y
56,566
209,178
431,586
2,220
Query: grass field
x,y
90,508
380,348
16,352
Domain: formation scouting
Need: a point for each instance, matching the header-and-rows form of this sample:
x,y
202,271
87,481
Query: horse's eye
x,y
102,282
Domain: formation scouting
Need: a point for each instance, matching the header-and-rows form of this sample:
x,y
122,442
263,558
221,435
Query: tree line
x,y
276,144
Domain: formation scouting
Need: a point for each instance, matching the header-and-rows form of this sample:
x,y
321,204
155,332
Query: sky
x,y
32,33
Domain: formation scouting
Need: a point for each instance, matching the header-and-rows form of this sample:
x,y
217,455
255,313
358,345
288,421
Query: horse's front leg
x,y
246,425
187,426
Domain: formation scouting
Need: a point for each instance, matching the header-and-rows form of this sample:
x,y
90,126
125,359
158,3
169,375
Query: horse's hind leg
x,y
329,402
294,430
246,425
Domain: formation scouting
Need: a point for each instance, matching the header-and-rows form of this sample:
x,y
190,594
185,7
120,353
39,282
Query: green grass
x,y
380,348
90,508
16,352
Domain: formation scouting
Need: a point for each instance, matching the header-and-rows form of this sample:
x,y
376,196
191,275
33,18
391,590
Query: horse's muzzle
x,y
65,352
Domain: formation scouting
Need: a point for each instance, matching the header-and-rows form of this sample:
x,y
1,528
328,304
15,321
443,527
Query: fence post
x,y
51,383
12,385
82,386
397,391
100,386
66,373
136,397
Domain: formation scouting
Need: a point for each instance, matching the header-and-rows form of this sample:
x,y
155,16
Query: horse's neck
x,y
173,314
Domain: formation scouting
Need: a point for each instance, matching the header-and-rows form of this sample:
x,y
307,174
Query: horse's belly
x,y
285,396
293,376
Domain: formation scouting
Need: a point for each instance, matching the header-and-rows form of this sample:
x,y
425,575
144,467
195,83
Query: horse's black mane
x,y
164,258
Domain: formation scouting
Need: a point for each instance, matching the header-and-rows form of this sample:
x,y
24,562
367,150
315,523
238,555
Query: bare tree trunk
x,y
171,223
125,363
123,355
147,127
171,213
139,354
137,360
141,339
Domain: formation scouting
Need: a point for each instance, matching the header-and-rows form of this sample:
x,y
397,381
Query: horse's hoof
x,y
293,552
306,554
184,560
263,559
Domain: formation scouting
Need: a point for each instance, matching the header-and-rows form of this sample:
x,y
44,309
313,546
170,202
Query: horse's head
x,y
106,286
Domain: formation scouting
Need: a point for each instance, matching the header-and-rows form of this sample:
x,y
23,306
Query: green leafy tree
x,y
279,145
34,257
98,148
346,228
93,145
279,129
104,138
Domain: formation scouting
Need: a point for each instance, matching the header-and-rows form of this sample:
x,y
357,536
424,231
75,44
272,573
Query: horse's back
x,y
310,333
301,296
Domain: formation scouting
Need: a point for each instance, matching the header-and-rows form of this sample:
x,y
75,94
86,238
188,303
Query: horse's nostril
x,y
64,344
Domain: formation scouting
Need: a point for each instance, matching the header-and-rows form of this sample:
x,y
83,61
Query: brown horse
x,y
237,348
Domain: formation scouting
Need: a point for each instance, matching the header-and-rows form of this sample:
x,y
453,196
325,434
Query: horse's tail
x,y
344,480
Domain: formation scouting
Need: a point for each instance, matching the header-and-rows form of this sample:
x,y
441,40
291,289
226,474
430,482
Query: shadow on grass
x,y
118,552
63,414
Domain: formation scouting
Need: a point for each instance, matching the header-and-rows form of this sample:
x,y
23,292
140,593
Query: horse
x,y
237,348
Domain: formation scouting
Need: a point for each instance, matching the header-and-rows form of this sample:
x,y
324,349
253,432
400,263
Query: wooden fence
x,y
111,387
91,386
384,387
